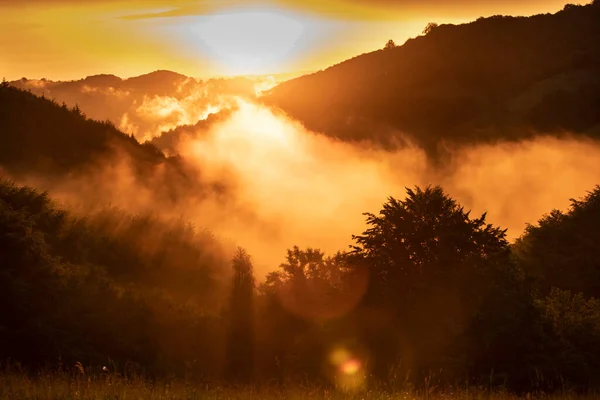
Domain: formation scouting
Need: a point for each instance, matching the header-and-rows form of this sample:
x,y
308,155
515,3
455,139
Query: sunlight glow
x,y
349,373
350,367
247,41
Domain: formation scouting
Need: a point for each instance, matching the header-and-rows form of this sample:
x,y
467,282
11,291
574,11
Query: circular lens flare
x,y
348,370
350,367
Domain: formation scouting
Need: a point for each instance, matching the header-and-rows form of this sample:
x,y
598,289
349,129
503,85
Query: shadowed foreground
x,y
59,385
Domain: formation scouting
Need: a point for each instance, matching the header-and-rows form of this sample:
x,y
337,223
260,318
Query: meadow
x,y
15,384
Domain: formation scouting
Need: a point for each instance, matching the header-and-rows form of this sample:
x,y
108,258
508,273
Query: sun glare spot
x,y
246,42
350,367
264,85
339,356
349,374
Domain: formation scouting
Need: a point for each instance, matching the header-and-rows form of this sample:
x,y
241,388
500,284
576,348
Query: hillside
x,y
495,78
41,138
144,105
84,288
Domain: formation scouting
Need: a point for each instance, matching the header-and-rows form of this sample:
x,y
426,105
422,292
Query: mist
x,y
309,190
148,105
285,185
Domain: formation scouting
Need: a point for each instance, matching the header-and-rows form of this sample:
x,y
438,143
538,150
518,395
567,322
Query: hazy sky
x,y
69,39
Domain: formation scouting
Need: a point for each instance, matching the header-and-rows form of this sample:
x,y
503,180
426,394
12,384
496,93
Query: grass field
x,y
59,386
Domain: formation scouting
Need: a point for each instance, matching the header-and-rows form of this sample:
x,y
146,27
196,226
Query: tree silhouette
x,y
562,249
434,270
390,44
429,28
240,342
497,59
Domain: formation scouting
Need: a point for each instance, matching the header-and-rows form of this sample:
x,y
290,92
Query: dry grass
x,y
62,386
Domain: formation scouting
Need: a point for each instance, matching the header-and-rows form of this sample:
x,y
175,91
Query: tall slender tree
x,y
240,341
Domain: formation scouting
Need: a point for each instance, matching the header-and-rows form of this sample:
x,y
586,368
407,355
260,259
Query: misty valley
x,y
419,221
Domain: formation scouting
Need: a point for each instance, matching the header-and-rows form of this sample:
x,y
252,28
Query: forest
x,y
114,268
495,78
427,292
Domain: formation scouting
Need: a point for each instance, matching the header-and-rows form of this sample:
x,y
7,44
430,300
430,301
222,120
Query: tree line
x,y
427,293
496,78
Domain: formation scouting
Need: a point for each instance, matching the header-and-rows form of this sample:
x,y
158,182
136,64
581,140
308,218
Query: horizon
x,y
260,38
286,75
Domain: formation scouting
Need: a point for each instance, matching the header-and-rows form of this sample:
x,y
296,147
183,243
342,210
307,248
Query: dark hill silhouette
x,y
159,82
42,138
495,78
103,80
77,287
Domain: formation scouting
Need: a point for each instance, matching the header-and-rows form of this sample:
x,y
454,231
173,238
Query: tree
x,y
427,235
77,111
304,303
437,275
312,286
390,45
240,342
574,337
562,249
430,27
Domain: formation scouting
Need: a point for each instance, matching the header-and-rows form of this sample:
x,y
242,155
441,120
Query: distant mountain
x,y
156,82
101,80
152,83
144,105
495,78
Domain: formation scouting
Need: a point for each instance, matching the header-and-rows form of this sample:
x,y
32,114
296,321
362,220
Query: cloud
x,y
344,9
335,9
149,105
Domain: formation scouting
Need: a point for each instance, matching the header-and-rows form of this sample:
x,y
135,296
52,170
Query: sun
x,y
250,41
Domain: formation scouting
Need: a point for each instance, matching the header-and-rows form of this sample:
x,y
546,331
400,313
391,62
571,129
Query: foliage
x,y
575,323
562,249
440,276
79,289
390,44
40,137
427,292
430,27
427,296
240,356
497,78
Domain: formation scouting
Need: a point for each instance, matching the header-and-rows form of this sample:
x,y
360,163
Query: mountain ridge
x,y
434,86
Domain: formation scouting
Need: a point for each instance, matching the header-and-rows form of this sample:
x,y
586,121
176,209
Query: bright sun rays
x,y
247,41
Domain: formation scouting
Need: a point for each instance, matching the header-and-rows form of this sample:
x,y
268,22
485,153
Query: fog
x,y
284,185
147,105
309,190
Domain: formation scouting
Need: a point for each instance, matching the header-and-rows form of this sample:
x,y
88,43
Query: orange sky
x,y
68,39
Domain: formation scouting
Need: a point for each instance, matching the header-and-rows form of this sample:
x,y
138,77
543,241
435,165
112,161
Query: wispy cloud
x,y
182,11
345,9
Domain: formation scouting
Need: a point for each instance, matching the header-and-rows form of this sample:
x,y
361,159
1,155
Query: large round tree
x,y
442,287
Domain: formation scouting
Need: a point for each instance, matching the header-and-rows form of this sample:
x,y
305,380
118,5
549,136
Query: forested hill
x,y
43,138
144,105
495,78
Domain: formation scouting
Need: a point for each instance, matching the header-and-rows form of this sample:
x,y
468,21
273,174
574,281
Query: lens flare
x,y
348,371
350,367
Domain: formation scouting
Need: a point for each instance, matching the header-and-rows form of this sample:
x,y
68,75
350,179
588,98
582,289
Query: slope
x,y
41,138
462,83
